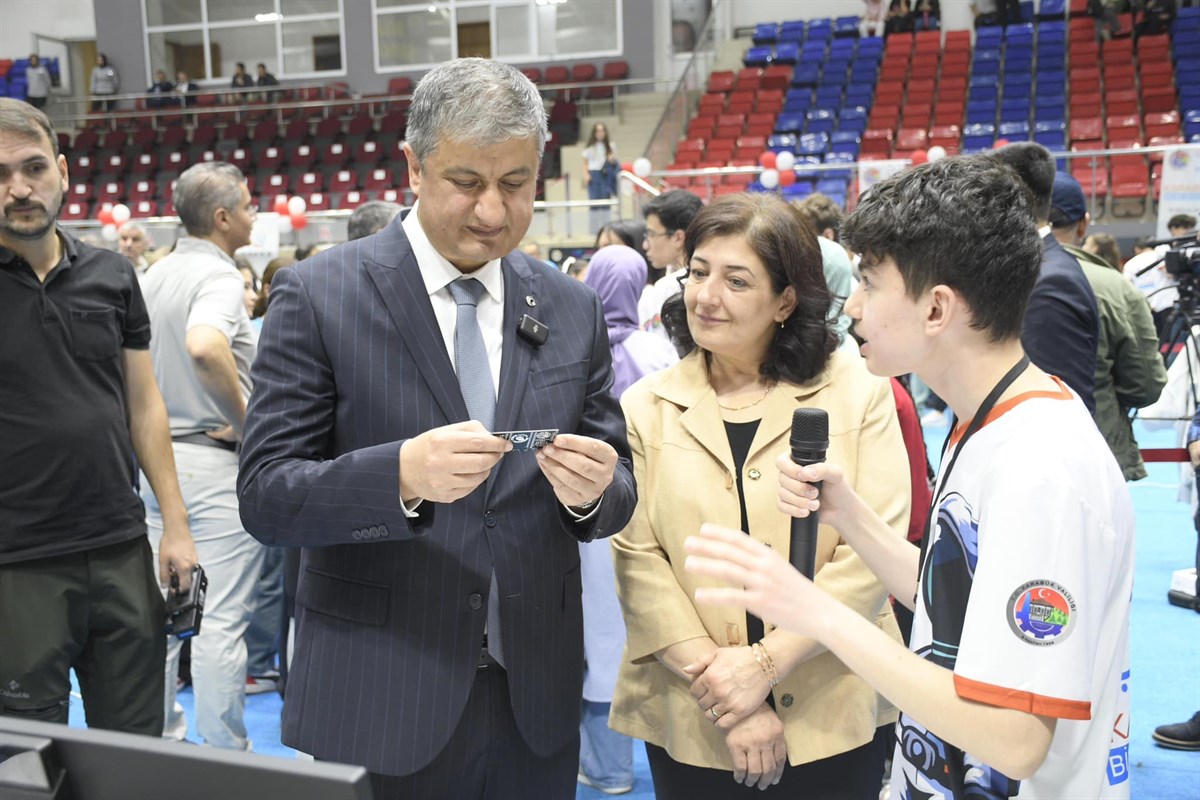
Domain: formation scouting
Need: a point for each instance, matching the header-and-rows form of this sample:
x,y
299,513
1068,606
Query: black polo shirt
x,y
66,457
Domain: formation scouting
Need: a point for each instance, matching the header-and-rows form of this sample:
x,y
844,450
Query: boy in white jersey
x,y
1017,682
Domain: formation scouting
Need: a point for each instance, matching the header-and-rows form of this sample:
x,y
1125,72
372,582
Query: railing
x,y
1095,158
336,98
575,221
673,123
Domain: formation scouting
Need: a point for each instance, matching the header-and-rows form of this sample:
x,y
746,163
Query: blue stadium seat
x,y
757,57
1052,31
843,48
780,142
872,46
981,113
1051,140
766,33
820,29
1050,108
806,75
839,157
1013,90
1020,33
786,53
989,38
845,26
859,95
1014,131
864,72
852,120
789,123
816,144
829,97
797,100
1051,10
985,67
983,93
1052,81
1014,110
791,31
820,120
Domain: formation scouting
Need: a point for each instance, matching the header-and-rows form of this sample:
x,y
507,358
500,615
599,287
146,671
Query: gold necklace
x,y
766,392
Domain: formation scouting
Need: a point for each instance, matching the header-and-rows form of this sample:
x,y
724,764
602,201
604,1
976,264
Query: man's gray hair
x,y
202,189
474,100
370,218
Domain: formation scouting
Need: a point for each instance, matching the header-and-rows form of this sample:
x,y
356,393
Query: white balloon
x,y
936,152
769,178
785,160
284,221
641,167
109,232
120,213
296,205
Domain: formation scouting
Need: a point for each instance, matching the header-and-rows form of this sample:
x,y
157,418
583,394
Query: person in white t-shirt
x,y
1018,680
667,218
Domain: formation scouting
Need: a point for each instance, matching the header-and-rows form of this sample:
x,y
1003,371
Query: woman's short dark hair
x,y
788,248
632,233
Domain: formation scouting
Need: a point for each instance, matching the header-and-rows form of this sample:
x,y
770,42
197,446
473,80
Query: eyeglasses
x,y
656,234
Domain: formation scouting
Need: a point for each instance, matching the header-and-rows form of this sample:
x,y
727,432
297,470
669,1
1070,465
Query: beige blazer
x,y
685,477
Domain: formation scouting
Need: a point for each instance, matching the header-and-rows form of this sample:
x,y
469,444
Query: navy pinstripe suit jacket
x,y
350,365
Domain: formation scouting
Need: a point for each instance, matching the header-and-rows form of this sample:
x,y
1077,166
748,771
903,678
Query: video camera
x,y
1183,260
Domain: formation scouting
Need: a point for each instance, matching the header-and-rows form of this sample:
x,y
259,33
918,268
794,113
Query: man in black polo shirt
x,y
77,401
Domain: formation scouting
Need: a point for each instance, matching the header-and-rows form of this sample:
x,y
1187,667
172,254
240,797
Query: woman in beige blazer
x,y
723,703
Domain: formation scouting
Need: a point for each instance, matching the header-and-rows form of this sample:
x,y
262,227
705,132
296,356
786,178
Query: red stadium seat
x,y
74,212
345,180
379,180
352,200
310,182
143,209
318,201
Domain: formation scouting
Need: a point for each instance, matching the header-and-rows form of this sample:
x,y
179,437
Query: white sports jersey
x,y
1024,593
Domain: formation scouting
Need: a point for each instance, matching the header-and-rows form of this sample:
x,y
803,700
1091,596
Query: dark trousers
x,y
486,757
853,775
99,612
36,102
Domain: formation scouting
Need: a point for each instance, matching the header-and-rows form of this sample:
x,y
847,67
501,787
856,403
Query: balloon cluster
x,y
112,218
292,210
778,169
935,153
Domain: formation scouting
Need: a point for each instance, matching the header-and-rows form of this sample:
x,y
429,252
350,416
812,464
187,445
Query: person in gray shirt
x,y
202,346
37,82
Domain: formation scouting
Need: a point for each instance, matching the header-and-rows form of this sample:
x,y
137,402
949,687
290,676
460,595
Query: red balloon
x,y
919,156
105,216
281,204
627,166
767,159
299,222
999,143
787,177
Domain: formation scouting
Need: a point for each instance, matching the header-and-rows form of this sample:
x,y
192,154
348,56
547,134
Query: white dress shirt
x,y
438,273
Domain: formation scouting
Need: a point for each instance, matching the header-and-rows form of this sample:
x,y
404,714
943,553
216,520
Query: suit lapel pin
x,y
530,300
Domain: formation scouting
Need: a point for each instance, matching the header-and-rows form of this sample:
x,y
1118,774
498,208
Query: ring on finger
x,y
712,712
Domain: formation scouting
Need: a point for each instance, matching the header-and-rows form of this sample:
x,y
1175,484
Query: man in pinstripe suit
x,y
365,446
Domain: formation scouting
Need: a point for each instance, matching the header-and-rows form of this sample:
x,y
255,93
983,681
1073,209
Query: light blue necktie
x,y
479,393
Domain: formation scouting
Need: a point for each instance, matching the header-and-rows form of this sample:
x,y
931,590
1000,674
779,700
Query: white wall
x,y
60,19
955,13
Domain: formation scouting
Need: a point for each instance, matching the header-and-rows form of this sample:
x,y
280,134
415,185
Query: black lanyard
x,y
977,421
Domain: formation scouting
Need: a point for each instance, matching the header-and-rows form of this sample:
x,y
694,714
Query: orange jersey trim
x,y
1001,409
1022,701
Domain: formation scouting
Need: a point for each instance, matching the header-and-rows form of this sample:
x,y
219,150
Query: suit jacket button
x,y
489,519
754,474
475,601
787,700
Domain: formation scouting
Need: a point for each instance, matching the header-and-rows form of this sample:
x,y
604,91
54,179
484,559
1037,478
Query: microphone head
x,y
810,434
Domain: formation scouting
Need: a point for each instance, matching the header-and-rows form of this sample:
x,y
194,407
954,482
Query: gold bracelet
x,y
765,663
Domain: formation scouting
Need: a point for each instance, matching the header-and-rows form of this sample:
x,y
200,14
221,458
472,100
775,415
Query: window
x,y
418,34
206,38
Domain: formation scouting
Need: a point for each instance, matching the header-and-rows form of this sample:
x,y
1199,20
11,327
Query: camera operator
x,y
1148,271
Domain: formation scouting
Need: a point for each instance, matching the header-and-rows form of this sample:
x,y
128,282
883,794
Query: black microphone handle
x,y
803,550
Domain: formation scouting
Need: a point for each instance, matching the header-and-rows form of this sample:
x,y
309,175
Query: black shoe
x,y
1181,735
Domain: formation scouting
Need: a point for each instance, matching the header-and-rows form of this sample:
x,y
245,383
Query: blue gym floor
x,y
1166,648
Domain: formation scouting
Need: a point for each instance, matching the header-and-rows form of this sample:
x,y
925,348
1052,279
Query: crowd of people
x,y
486,523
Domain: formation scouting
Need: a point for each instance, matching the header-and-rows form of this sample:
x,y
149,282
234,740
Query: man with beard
x,y
78,400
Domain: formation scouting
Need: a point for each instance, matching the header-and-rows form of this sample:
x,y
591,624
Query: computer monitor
x,y
43,761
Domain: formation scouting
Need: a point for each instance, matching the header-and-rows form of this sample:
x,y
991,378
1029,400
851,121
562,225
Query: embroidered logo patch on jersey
x,y
1040,612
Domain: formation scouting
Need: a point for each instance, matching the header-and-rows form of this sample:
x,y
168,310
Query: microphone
x,y
810,440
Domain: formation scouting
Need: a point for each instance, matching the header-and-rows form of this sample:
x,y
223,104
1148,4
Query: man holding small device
x,y
440,571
